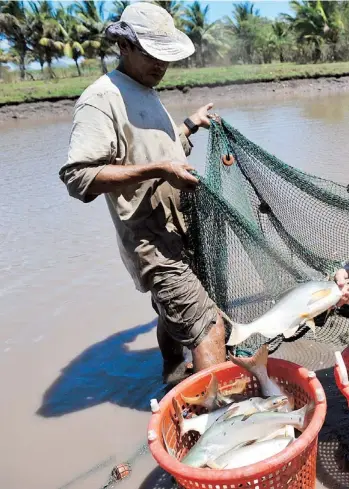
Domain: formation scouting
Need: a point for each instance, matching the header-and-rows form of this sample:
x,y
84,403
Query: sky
x,y
217,10
268,8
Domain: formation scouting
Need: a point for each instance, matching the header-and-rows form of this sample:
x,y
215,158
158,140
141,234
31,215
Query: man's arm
x,y
112,177
200,118
95,164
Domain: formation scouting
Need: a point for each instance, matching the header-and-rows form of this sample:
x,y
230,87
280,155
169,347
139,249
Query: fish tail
x,y
180,417
239,333
252,363
209,396
305,414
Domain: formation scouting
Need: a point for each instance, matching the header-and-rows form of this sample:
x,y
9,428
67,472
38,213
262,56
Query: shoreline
x,y
246,92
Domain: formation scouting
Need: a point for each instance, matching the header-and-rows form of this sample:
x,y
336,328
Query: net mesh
x,y
259,227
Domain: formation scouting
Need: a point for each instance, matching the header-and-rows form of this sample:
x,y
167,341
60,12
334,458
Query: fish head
x,y
326,295
274,403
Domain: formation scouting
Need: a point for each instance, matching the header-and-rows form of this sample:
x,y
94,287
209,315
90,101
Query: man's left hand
x,y
342,279
200,118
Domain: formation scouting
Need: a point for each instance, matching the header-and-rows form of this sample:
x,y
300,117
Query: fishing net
x,y
259,227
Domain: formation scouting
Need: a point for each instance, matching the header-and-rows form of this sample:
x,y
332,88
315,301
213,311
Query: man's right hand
x,y
176,173
342,279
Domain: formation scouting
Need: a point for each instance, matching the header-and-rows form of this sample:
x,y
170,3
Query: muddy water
x,y
77,343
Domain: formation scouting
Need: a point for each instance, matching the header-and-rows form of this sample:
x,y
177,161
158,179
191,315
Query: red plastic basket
x,y
293,468
341,375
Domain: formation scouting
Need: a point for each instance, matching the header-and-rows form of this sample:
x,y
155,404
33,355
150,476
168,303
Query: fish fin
x,y
229,414
238,386
305,414
290,332
201,400
249,363
320,294
248,414
169,450
239,333
251,442
327,314
311,324
245,444
179,415
213,465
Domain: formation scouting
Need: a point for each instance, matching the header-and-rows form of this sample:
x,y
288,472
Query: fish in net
x,y
258,227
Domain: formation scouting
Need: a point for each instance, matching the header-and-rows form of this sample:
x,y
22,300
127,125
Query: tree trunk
x,y
281,56
104,66
42,62
317,54
22,64
77,66
50,70
200,56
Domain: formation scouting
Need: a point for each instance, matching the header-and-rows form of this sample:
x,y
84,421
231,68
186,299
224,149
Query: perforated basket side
x,y
294,467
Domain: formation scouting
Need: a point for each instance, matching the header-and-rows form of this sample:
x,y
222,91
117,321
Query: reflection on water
x,y
331,112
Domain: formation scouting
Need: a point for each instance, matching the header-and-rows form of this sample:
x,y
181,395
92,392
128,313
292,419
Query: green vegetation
x,y
243,47
29,91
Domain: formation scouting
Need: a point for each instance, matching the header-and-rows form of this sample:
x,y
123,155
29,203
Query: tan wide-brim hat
x,y
155,31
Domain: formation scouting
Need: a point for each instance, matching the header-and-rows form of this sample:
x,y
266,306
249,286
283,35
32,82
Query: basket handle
x,y
343,373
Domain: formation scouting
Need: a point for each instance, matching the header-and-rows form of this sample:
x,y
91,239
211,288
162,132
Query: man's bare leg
x,y
175,368
211,350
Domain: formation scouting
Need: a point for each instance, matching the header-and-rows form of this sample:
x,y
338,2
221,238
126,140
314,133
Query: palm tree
x,y
47,35
4,58
92,16
316,23
198,29
14,25
281,37
117,9
242,12
174,8
245,24
74,32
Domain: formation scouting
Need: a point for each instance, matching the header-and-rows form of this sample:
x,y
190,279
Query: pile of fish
x,y
237,431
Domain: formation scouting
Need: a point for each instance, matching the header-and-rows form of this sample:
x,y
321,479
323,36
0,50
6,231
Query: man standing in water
x,y
125,145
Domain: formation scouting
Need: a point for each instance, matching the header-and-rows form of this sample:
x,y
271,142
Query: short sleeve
x,y
93,145
186,143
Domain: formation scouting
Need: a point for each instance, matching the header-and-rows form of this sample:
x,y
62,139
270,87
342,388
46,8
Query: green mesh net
x,y
259,227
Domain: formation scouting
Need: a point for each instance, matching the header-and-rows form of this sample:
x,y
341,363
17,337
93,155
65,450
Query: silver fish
x,y
238,431
296,307
257,366
250,454
213,398
203,422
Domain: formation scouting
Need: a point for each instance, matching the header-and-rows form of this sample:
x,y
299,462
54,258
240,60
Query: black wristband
x,y
193,128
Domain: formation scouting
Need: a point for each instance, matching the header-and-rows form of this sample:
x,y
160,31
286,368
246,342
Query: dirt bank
x,y
228,95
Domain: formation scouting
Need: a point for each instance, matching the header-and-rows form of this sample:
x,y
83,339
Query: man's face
x,y
146,70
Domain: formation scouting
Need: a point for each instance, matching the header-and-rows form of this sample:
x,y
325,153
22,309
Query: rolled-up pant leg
x,y
186,313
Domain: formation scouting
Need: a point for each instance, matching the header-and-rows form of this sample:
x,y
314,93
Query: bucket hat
x,y
153,29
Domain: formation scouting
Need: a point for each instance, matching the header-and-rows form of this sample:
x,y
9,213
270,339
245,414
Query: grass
x,y
60,88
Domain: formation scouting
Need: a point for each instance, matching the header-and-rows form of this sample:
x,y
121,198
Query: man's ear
x,y
124,46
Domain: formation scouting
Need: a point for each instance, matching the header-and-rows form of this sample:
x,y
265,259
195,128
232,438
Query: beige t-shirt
x,y
118,121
